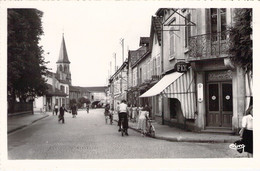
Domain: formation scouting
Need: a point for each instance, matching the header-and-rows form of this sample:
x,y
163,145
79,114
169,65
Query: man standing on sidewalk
x,y
61,115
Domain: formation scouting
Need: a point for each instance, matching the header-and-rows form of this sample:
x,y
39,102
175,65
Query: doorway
x,y
219,104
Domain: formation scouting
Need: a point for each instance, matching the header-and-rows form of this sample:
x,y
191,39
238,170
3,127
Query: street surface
x,y
88,137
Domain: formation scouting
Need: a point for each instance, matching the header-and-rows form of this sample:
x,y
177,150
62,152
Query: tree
x,y
26,65
83,100
240,37
241,43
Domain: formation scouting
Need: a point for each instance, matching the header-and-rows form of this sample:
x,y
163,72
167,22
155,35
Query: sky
x,y
92,32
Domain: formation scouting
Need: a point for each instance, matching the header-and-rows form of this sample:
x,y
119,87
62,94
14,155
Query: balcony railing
x,y
214,45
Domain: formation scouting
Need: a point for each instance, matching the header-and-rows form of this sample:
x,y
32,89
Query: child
x,y
111,113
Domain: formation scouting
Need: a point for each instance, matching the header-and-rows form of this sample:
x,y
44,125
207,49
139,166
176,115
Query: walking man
x,y
56,109
61,115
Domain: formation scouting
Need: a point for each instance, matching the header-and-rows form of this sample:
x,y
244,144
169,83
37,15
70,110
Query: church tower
x,y
63,64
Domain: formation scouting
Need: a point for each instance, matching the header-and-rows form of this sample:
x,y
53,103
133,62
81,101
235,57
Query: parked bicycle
x,y
150,130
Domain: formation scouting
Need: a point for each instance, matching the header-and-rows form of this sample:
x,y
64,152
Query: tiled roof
x,y
63,56
157,26
54,92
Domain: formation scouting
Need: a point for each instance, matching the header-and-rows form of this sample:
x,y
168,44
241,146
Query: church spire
x,y
63,56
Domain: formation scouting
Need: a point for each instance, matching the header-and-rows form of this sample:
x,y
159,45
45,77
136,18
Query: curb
x,y
23,126
176,139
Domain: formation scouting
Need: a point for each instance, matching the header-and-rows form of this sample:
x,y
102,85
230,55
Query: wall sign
x,y
182,66
200,92
219,76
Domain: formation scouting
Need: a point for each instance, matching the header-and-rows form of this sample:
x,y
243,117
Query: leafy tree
x,y
83,100
240,36
26,64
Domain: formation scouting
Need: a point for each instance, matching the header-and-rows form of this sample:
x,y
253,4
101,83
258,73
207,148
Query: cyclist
x,y
122,113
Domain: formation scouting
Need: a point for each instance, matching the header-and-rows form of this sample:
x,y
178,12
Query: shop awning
x,y
162,84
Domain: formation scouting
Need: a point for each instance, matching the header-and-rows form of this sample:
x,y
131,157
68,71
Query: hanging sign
x,y
182,66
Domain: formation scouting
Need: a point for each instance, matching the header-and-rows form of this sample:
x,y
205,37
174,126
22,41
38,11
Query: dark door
x,y
219,104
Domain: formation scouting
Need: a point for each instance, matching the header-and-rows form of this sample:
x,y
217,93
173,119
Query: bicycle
x,y
150,130
122,129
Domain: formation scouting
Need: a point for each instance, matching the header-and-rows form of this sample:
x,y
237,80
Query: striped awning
x,y
162,84
179,86
183,89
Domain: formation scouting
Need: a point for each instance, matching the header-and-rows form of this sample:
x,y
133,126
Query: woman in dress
x,y
247,131
142,120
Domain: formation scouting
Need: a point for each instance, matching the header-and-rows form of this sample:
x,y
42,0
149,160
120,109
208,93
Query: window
x,y
218,23
187,30
172,45
60,68
158,65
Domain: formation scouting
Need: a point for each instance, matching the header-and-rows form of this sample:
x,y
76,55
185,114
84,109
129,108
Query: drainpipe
x,y
161,74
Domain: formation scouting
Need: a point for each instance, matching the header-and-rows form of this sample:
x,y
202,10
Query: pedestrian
x,y
129,109
122,112
61,115
111,113
74,111
56,109
87,108
144,114
106,112
247,132
134,113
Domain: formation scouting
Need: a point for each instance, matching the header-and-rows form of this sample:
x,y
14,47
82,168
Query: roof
x,y
157,27
79,89
55,91
63,56
136,54
73,88
64,81
96,89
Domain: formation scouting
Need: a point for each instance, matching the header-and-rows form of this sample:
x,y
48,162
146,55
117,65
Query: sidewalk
x,y
173,134
18,122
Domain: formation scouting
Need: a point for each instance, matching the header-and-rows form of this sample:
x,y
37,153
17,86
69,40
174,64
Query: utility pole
x,y
115,61
110,69
122,43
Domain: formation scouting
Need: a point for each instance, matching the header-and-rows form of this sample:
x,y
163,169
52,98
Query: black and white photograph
x,y
128,85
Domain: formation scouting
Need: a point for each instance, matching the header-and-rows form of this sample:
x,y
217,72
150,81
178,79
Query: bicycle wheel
x,y
152,129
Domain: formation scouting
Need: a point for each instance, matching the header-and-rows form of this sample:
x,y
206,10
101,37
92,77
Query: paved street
x,y
88,137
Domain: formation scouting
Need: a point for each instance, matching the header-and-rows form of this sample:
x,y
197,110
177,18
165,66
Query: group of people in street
x,y
62,111
127,113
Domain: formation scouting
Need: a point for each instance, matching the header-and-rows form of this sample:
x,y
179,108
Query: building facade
x,y
118,85
200,89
